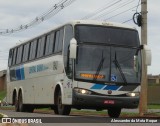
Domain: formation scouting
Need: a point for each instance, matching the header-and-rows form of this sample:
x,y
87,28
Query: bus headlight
x,y
82,91
133,94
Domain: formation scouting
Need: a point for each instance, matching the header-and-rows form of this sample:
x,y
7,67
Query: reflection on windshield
x,y
92,65
107,35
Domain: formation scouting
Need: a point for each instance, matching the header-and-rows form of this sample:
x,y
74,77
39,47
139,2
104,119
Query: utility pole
x,y
144,84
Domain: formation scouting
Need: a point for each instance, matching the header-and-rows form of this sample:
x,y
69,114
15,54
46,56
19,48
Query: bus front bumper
x,y
83,101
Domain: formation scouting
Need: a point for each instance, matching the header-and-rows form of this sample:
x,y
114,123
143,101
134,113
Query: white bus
x,y
82,64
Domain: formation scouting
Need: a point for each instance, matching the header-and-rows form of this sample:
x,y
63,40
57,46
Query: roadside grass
x,y
154,106
101,113
1,116
2,95
88,112
153,84
104,113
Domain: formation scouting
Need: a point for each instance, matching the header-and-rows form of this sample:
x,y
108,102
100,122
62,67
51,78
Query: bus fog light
x,y
132,94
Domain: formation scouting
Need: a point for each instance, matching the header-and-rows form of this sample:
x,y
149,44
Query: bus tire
x,y
55,109
114,112
16,103
20,103
62,109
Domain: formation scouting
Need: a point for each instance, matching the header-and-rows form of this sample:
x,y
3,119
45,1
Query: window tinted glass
x,y
108,35
67,37
49,44
26,52
41,47
60,45
57,41
10,57
19,55
52,42
14,56
33,50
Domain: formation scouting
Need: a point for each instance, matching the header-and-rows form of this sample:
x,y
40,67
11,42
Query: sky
x,y
14,13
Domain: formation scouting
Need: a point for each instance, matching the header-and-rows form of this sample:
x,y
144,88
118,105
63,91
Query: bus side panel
x,y
9,88
67,91
43,76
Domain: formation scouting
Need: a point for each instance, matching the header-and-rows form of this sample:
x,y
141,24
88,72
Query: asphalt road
x,y
74,120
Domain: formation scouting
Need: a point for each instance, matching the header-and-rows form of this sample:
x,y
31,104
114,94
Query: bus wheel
x,y
55,108
114,112
16,104
20,103
62,109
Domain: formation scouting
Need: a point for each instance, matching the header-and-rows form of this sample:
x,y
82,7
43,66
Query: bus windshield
x,y
108,35
100,63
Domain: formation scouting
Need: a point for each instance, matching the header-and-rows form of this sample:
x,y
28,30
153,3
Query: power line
x,y
51,12
136,12
101,10
114,9
137,6
127,21
120,13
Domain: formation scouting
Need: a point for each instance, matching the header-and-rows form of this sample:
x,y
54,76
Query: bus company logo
x,y
21,120
6,120
109,91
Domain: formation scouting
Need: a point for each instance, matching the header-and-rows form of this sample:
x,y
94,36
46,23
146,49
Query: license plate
x,y
109,102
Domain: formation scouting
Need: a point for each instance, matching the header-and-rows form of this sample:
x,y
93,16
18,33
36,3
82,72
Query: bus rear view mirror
x,y
73,48
147,54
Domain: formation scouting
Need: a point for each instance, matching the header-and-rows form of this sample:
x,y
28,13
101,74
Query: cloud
x,y
14,13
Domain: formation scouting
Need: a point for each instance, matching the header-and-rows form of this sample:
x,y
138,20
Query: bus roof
x,y
102,23
87,22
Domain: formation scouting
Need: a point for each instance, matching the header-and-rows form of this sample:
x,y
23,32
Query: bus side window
x,y
59,40
67,62
14,56
41,47
33,50
49,44
10,57
19,54
26,52
60,45
56,41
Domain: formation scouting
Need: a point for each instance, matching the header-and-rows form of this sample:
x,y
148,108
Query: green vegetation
x,y
152,84
88,112
154,106
2,95
100,113
1,116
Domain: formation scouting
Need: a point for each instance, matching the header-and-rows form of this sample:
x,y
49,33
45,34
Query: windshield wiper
x,y
99,68
119,68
